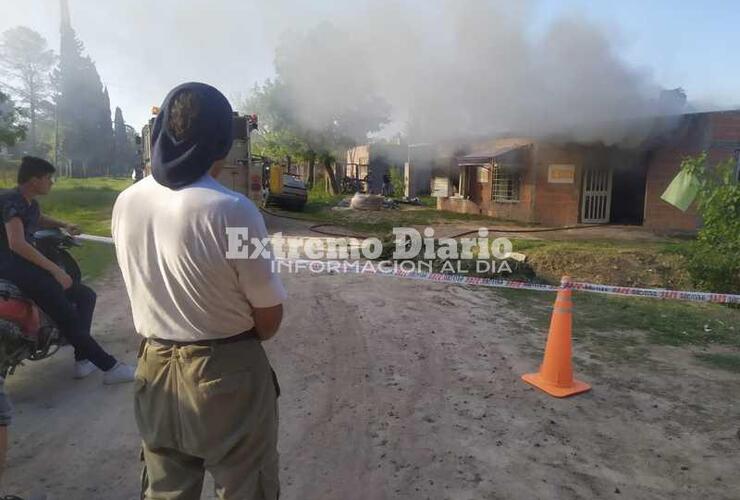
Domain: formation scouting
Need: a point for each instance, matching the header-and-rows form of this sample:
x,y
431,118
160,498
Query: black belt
x,y
239,337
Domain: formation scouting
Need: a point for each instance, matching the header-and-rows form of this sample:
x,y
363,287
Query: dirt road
x,y
401,389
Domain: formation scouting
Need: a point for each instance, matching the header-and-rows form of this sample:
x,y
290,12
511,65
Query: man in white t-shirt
x,y
206,396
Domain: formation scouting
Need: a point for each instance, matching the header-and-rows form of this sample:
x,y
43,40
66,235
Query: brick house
x,y
561,184
370,162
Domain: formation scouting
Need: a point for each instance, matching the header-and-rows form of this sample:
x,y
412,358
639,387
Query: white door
x,y
597,195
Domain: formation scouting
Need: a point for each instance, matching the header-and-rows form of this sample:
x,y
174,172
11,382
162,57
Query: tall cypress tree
x,y
83,107
125,151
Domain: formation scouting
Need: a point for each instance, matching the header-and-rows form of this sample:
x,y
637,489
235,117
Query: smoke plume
x,y
461,69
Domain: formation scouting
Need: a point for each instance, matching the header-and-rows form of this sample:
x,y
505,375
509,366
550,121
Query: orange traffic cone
x,y
556,372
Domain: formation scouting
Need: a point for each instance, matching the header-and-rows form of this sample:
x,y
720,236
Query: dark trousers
x,y
71,309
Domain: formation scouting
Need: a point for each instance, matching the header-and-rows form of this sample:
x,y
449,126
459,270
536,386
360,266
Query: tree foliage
x,y
26,62
124,159
62,104
397,181
10,130
309,113
715,258
83,107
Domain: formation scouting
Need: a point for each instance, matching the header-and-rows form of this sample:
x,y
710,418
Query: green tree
x,y
281,135
10,130
397,181
83,107
26,62
311,113
715,257
125,150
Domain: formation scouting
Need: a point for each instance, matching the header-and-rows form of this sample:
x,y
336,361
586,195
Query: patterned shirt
x,y
13,204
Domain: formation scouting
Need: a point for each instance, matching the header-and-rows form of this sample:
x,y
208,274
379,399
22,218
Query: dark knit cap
x,y
177,163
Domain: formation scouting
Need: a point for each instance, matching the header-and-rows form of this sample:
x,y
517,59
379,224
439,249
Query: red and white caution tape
x,y
656,293
463,280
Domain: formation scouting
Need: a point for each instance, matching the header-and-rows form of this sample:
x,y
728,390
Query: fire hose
x,y
315,227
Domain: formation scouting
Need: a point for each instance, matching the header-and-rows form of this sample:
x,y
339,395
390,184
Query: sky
x,y
142,49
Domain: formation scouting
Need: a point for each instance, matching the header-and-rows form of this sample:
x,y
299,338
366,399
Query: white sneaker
x,y
84,368
119,374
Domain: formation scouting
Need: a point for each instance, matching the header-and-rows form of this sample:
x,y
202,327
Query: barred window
x,y
505,184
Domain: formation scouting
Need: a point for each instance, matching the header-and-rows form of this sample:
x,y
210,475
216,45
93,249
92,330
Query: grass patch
x,y
320,210
94,259
642,263
319,199
665,322
428,201
599,245
622,329
87,202
723,361
615,321
651,264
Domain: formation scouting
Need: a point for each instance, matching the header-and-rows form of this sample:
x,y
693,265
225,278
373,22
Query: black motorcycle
x,y
26,332
53,244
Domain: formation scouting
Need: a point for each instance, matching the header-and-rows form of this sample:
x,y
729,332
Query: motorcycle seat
x,y
17,308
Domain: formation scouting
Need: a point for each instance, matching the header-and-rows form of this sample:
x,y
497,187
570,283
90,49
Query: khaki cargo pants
x,y
208,408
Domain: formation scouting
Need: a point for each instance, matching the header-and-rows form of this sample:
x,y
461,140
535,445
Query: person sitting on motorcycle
x,y
70,305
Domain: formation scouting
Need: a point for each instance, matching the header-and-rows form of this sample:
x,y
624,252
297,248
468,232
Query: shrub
x,y
397,181
714,262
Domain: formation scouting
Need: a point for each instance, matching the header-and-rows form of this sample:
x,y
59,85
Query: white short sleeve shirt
x,y
172,248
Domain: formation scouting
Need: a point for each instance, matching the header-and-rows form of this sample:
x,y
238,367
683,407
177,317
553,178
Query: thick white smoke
x,y
461,69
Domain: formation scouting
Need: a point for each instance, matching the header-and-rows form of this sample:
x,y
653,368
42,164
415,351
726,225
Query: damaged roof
x,y
487,156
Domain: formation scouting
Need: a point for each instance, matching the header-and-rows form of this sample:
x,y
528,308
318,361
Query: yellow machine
x,y
283,188
276,178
